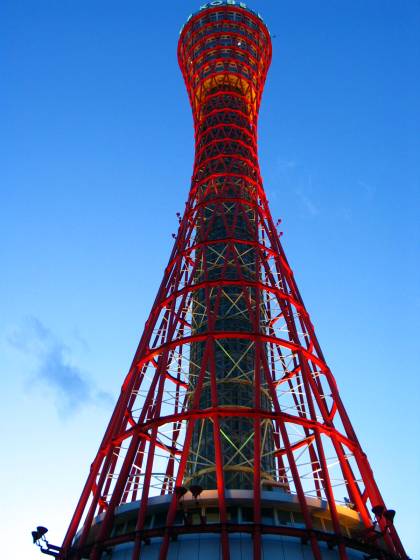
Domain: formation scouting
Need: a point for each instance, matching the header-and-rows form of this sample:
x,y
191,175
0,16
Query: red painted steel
x,y
228,291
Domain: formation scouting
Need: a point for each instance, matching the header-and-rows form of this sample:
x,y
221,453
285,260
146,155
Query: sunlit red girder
x,y
228,386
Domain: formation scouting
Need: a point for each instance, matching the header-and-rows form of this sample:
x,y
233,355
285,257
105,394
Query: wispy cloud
x,y
283,164
307,203
54,370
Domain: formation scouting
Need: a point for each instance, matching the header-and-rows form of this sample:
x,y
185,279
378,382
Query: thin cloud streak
x,y
307,203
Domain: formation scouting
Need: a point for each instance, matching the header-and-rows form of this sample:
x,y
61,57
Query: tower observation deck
x,y
229,438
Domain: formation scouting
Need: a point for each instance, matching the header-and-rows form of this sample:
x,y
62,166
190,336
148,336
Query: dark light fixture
x,y
180,491
42,530
38,538
196,490
378,510
389,515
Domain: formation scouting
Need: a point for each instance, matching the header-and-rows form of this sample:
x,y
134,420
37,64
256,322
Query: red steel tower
x,y
229,438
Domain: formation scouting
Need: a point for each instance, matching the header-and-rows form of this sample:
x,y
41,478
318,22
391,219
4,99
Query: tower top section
x,y
224,47
219,4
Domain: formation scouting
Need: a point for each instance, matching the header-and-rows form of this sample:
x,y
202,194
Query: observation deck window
x,y
267,516
118,529
179,518
283,517
328,526
212,515
222,28
160,519
298,519
247,515
233,514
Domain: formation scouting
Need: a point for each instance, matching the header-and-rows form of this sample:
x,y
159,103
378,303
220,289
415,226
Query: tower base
x,y
197,528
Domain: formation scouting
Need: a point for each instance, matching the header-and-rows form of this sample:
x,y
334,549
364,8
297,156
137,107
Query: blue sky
x,y
96,152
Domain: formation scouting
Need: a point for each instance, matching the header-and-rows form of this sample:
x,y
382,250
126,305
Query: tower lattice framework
x,y
229,389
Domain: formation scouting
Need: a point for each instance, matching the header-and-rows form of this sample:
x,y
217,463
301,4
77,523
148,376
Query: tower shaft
x,y
225,170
